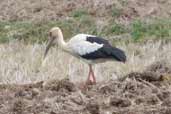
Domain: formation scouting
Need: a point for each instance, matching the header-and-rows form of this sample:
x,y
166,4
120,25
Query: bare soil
x,y
48,10
136,94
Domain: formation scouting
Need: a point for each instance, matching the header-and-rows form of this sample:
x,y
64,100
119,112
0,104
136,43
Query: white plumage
x,y
80,37
82,47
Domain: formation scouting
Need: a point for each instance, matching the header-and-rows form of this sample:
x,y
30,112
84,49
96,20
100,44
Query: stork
x,y
89,48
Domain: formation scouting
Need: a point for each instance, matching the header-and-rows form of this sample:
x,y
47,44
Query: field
x,y
140,86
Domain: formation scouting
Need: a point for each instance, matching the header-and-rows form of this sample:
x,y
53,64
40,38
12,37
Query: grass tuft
x,y
117,29
116,12
79,13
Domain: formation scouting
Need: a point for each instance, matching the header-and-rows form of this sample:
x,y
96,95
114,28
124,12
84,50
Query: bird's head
x,y
54,32
53,35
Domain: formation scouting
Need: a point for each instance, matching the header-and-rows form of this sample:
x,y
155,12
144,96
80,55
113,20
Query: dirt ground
x,y
48,10
138,93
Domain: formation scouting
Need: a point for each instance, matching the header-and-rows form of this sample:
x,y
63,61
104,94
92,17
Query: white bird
x,y
89,48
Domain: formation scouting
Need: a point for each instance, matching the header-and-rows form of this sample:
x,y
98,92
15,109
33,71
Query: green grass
x,y
116,12
27,32
31,32
79,13
117,29
158,29
37,32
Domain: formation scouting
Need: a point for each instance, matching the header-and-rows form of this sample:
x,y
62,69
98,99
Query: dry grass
x,y
21,63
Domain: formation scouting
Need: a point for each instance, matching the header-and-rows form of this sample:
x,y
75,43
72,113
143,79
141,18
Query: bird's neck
x,y
60,41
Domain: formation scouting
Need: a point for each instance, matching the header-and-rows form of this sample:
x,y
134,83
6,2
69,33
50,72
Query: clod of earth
x,y
60,85
18,106
119,102
93,108
148,76
160,67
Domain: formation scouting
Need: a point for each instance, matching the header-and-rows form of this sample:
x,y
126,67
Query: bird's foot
x,y
83,87
86,86
90,82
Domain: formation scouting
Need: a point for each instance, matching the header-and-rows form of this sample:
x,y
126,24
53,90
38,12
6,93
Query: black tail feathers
x,y
118,54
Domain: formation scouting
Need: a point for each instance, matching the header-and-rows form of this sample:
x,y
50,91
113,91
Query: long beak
x,y
48,46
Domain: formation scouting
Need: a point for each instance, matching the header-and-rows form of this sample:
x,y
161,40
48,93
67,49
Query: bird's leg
x,y
88,79
91,78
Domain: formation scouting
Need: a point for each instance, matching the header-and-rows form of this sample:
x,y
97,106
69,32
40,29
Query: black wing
x,y
97,40
107,51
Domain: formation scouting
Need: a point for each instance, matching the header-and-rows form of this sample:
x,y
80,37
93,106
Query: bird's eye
x,y
50,34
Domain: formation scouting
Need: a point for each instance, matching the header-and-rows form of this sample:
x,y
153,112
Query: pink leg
x,y
91,78
89,74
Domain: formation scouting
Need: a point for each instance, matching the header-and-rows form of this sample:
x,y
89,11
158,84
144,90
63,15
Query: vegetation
x,y
116,12
79,13
37,32
159,29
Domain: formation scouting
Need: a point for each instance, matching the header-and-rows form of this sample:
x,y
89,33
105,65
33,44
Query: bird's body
x,y
91,49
